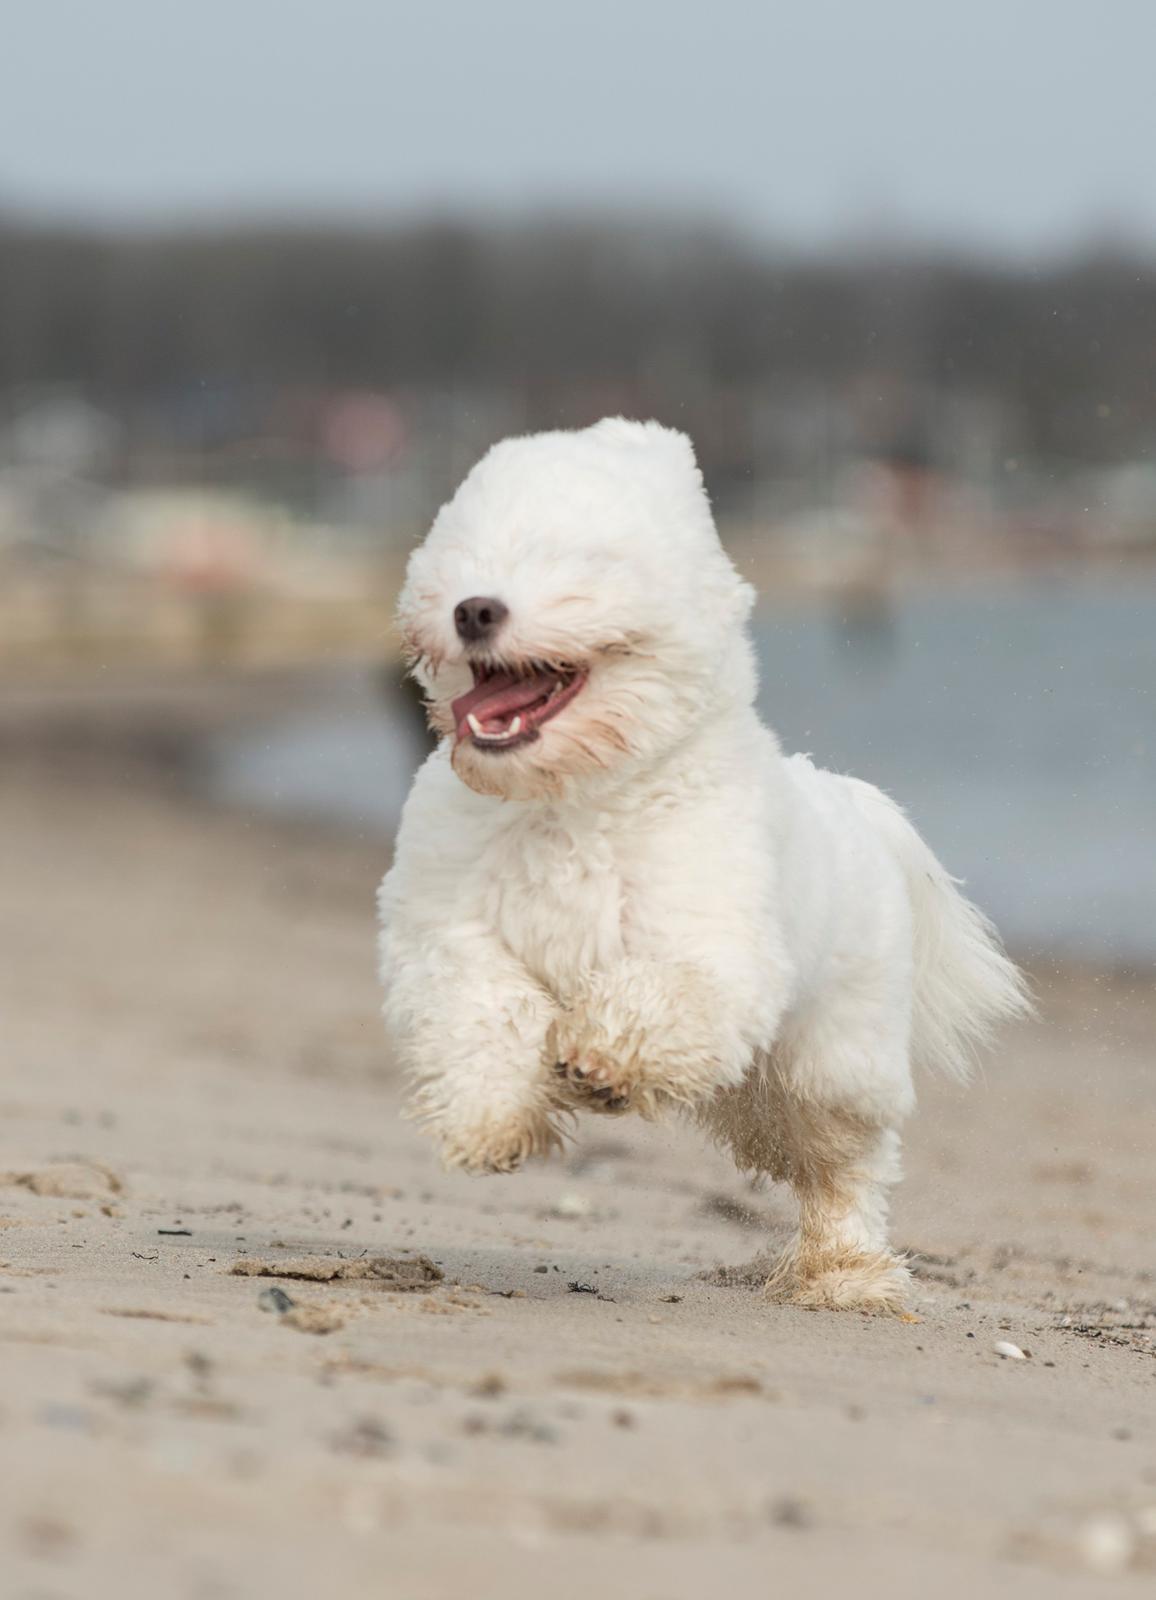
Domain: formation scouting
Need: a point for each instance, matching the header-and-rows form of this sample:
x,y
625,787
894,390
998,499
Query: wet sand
x,y
195,1075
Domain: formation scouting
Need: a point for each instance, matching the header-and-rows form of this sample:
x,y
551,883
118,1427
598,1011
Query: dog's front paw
x,y
494,1146
593,1085
598,1070
642,1037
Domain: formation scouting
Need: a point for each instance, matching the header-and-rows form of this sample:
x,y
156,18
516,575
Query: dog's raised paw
x,y
593,1088
499,1147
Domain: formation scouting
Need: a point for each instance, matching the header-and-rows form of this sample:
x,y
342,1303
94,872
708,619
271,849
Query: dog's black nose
x,y
479,617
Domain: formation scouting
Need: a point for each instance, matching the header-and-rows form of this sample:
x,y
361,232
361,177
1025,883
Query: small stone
x,y
59,1415
1009,1351
368,1436
1106,1544
489,1386
48,1537
132,1392
274,1299
789,1512
522,1424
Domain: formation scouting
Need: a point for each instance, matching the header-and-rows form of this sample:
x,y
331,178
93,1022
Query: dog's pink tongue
x,y
498,698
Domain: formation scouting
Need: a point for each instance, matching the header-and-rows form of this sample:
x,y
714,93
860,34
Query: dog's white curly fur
x,y
648,905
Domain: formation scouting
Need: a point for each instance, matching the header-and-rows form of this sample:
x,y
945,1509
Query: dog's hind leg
x,y
840,1168
840,1164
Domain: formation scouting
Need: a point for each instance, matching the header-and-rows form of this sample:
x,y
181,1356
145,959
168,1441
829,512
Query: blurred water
x,y
1018,729
1017,726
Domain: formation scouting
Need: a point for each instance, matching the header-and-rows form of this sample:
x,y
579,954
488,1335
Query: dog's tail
x,y
965,985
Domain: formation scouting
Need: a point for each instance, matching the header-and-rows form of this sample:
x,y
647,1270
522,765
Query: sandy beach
x,y
422,1385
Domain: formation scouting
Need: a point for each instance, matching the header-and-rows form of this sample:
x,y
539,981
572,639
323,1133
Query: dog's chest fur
x,y
557,897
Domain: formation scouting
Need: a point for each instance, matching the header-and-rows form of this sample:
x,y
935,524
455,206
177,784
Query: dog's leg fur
x,y
645,1036
471,1027
840,1165
840,1169
702,975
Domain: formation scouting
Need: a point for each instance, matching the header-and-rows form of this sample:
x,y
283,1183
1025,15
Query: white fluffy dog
x,y
613,892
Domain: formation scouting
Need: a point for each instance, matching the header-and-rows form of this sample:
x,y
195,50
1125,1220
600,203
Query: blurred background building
x,y
270,283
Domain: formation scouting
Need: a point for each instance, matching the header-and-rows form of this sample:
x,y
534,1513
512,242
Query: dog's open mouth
x,y
505,708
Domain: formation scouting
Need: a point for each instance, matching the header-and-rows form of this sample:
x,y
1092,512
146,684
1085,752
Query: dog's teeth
x,y
501,736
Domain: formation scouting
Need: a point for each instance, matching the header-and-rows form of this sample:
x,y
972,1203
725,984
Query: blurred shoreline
x,y
197,736
58,627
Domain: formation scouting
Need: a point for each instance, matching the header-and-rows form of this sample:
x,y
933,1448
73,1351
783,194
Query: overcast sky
x,y
1022,125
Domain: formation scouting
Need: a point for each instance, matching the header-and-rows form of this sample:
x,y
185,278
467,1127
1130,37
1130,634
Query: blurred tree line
x,y
558,308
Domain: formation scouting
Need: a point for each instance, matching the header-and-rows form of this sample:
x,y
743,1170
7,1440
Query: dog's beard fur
x,y
639,701
579,744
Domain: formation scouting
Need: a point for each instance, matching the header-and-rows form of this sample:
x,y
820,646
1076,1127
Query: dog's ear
x,y
663,456
667,458
666,445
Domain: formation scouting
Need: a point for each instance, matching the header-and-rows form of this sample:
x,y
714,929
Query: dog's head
x,y
572,616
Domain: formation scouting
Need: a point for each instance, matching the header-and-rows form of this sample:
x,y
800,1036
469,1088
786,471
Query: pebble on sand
x,y
1106,1543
